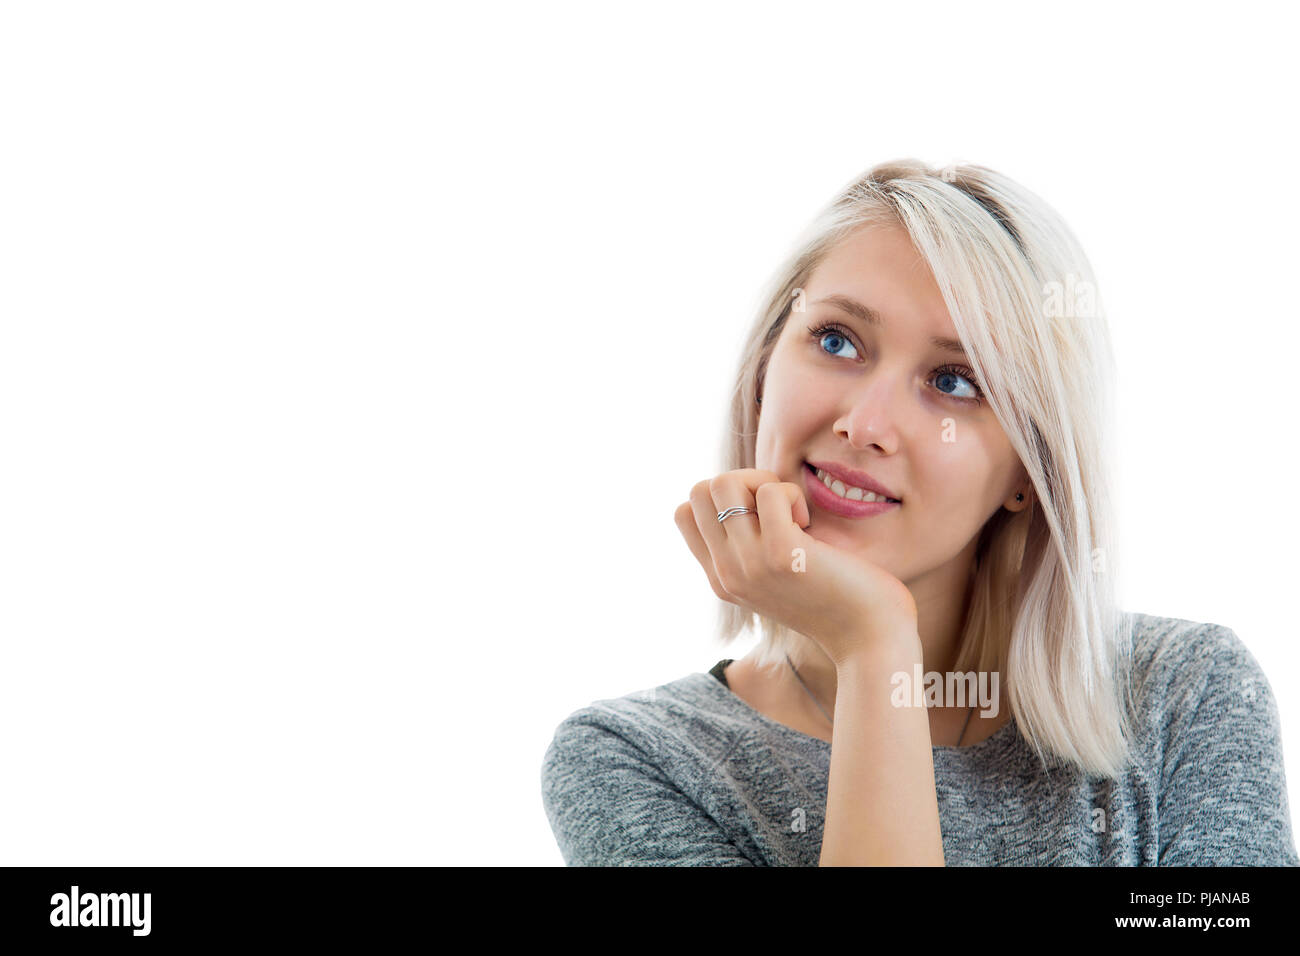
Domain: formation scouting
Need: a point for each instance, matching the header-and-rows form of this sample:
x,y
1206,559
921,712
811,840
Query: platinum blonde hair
x,y
1021,294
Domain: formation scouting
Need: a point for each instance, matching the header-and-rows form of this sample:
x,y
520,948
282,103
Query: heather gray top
x,y
688,774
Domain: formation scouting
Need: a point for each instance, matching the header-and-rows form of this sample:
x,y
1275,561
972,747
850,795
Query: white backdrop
x,y
356,356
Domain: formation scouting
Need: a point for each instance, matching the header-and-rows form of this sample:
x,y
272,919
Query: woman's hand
x,y
769,564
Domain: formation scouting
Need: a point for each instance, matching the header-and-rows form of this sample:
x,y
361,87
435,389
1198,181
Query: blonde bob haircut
x,y
1021,294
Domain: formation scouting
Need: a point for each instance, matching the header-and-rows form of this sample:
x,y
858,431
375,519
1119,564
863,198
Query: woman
x,y
916,506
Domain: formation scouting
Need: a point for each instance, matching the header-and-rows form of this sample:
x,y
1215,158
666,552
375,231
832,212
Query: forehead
x,y
880,268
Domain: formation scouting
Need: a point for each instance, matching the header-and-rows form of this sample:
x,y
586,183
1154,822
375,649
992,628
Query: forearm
x,y
881,807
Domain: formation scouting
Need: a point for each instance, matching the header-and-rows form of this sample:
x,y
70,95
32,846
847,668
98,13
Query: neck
x,y
942,601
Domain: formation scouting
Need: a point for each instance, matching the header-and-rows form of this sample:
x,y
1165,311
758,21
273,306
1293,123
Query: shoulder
x,y
1211,733
1197,681
1179,661
661,726
632,780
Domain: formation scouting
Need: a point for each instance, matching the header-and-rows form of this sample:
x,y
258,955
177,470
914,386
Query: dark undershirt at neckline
x,y
718,668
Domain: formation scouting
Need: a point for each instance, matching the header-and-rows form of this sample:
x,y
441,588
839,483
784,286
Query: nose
x,y
871,417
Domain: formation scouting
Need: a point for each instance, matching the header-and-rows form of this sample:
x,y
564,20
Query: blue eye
x,y
833,333
951,375
962,373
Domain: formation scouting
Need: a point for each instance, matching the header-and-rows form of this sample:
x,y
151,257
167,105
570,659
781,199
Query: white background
x,y
356,355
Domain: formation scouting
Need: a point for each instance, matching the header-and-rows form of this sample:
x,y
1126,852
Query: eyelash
x,y
959,370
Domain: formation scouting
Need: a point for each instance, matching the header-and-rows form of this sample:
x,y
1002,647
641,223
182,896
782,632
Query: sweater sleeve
x,y
610,805
1223,799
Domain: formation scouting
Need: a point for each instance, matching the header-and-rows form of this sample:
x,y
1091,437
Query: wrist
x,y
893,647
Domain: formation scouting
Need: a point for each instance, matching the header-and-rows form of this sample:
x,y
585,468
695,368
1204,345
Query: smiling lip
x,y
851,476
827,500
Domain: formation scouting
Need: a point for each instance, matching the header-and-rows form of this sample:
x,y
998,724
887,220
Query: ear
x,y
1024,488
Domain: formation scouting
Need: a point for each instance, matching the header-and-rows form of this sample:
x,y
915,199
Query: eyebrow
x,y
871,317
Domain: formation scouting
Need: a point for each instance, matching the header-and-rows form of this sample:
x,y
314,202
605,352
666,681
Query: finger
x,y
685,520
738,488
778,505
797,502
739,552
735,489
706,520
727,550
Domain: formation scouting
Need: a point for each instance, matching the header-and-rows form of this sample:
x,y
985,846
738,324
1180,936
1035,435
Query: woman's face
x,y
879,400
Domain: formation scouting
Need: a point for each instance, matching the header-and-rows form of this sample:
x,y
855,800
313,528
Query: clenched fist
x,y
766,562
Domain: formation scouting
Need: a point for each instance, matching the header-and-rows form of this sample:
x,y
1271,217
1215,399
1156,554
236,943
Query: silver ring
x,y
732,512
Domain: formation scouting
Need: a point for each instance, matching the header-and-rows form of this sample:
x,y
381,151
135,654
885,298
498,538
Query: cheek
x,y
958,470
797,403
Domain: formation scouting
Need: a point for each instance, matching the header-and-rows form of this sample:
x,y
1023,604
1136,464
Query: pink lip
x,y
851,476
824,498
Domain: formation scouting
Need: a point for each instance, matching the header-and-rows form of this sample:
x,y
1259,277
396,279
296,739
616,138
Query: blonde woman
x,y
916,507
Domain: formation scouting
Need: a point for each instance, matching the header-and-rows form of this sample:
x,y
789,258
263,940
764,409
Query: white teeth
x,y
848,491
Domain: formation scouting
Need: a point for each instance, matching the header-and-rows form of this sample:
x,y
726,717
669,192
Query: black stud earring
x,y
760,399
1019,497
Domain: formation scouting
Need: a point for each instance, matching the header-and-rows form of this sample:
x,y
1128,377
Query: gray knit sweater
x,y
688,774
